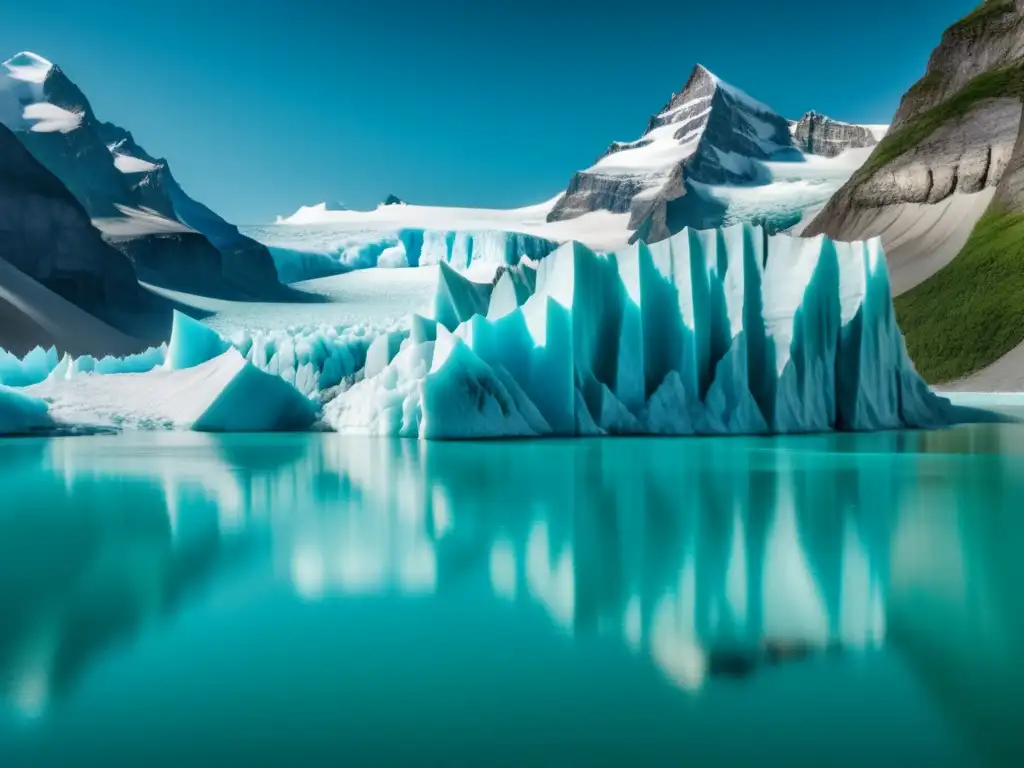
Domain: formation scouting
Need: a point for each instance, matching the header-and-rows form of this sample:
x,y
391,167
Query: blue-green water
x,y
310,600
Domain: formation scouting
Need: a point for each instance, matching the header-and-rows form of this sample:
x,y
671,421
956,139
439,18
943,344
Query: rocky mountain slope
x,y
945,191
132,198
712,156
242,261
60,283
817,134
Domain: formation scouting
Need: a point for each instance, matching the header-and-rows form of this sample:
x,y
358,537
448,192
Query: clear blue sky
x,y
263,105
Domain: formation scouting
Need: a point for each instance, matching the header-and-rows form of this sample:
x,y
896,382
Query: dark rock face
x,y
46,234
392,200
83,159
592,192
819,135
176,260
720,135
79,158
245,263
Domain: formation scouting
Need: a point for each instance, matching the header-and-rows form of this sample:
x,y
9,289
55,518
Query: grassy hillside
x,y
996,83
969,314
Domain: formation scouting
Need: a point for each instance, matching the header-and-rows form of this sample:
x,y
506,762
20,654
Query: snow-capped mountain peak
x,y
28,67
709,132
23,102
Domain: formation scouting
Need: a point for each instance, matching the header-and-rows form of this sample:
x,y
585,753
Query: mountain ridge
x,y
132,197
709,134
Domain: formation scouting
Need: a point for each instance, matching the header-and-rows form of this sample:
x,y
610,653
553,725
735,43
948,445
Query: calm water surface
x,y
311,600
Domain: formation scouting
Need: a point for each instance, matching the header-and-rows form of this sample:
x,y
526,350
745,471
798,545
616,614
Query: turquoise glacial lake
x,y
312,600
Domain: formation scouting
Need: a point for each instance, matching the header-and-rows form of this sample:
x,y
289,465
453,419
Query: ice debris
x,y
200,381
709,332
225,393
312,359
21,414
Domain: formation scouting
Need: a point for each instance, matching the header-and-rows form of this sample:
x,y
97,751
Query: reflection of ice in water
x,y
736,573
386,537
442,512
29,680
381,531
373,537
862,614
503,569
362,550
674,648
673,635
308,573
551,583
632,625
793,604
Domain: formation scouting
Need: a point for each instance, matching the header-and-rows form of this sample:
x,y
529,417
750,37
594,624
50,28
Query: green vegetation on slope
x,y
994,84
970,313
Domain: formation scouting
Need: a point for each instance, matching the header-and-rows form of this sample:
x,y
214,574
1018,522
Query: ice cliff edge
x,y
709,332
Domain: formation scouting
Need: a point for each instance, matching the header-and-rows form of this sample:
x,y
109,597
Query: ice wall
x,y
709,332
305,253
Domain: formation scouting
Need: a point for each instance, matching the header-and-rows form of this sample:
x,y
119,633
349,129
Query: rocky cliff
x,y
233,258
817,134
944,191
119,186
46,234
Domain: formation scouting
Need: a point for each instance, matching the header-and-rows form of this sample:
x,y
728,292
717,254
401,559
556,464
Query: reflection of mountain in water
x,y
107,543
706,557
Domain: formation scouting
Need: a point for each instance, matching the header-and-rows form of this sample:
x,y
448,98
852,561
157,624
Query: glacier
x,y
307,253
728,331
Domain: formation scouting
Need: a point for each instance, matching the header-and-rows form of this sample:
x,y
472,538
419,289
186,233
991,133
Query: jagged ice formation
x,y
300,254
709,332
